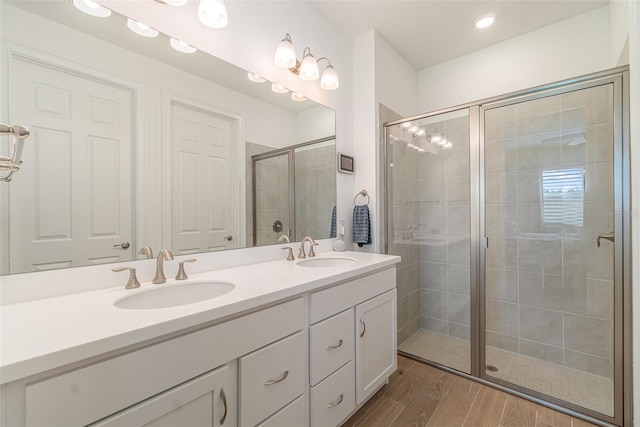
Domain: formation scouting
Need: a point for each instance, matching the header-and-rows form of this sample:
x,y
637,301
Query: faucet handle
x,y
133,280
182,275
284,238
311,252
290,255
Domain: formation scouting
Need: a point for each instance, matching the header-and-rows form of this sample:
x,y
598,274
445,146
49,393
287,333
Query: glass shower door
x,y
429,217
548,215
272,208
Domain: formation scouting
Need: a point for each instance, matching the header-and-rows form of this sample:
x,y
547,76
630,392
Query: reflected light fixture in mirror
x,y
256,78
297,97
213,13
307,69
278,89
141,29
181,46
92,8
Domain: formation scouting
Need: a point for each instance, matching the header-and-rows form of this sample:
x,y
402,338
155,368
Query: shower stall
x,y
291,191
512,219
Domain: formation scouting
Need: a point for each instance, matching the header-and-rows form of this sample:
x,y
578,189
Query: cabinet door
x,y
209,400
375,343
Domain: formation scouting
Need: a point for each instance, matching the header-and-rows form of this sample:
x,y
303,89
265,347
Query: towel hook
x,y
362,193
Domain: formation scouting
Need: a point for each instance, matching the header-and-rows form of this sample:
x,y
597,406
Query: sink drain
x,y
491,368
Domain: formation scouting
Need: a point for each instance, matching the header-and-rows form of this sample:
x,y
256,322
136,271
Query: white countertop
x,y
44,334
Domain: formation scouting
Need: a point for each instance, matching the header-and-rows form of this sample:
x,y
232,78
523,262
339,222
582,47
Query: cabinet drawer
x,y
333,300
272,377
334,398
332,344
292,415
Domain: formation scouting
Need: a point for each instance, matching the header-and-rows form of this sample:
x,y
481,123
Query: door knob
x,y
229,238
123,245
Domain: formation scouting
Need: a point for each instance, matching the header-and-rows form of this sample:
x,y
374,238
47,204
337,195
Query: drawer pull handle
x,y
333,347
364,327
336,403
272,382
224,402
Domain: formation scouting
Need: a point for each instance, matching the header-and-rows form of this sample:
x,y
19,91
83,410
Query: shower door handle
x,y
608,236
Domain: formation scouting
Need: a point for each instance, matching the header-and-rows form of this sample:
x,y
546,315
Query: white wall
x,y
383,77
619,32
315,123
560,51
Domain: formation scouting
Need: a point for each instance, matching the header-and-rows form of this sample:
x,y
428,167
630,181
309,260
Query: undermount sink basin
x,y
173,295
326,262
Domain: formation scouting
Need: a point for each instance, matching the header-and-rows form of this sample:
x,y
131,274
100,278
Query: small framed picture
x,y
345,164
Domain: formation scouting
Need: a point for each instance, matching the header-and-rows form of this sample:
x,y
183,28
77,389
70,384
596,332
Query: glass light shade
x,y
141,29
406,125
420,132
175,2
447,146
213,13
278,89
413,129
329,80
285,54
297,97
309,68
442,142
436,138
255,78
181,46
92,8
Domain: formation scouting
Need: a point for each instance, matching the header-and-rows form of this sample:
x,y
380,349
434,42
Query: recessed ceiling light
x,y
485,21
297,97
278,89
92,8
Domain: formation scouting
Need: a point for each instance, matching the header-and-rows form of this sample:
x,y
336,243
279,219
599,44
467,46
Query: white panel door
x,y
201,168
72,200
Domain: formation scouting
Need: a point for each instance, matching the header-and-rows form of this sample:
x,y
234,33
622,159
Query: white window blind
x,y
563,197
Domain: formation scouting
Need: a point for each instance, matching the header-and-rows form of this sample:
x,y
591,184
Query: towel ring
x,y
362,193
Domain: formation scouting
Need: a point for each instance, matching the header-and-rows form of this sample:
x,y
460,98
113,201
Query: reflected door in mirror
x,y
72,203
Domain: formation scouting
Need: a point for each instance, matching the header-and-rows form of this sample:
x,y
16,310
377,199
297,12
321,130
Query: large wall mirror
x,y
136,144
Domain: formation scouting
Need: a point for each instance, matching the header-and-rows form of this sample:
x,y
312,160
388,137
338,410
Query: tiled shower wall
x,y
549,287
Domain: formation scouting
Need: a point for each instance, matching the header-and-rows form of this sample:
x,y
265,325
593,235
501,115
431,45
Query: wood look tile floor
x,y
420,395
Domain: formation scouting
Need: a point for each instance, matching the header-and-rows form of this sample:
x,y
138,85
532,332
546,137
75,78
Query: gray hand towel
x,y
361,225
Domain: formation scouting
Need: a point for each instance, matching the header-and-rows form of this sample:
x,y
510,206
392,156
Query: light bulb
x,y
329,80
297,97
141,29
92,8
309,68
285,56
213,13
181,46
278,89
255,78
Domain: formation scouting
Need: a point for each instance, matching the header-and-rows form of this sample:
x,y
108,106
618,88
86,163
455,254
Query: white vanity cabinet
x,y
352,344
188,371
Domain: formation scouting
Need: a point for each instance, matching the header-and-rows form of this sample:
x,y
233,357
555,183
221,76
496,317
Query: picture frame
x,y
346,164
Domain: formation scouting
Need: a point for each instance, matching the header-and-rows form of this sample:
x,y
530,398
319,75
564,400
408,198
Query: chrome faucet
x,y
284,238
162,255
312,243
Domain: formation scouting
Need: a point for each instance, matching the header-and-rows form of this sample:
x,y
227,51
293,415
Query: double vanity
x,y
276,343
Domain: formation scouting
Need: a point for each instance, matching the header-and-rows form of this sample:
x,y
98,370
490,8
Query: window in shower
x,y
563,197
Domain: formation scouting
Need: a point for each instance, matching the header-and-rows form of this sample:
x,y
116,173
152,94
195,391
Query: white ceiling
x,y
427,32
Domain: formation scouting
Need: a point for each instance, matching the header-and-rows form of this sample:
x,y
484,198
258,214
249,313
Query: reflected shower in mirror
x,y
135,144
